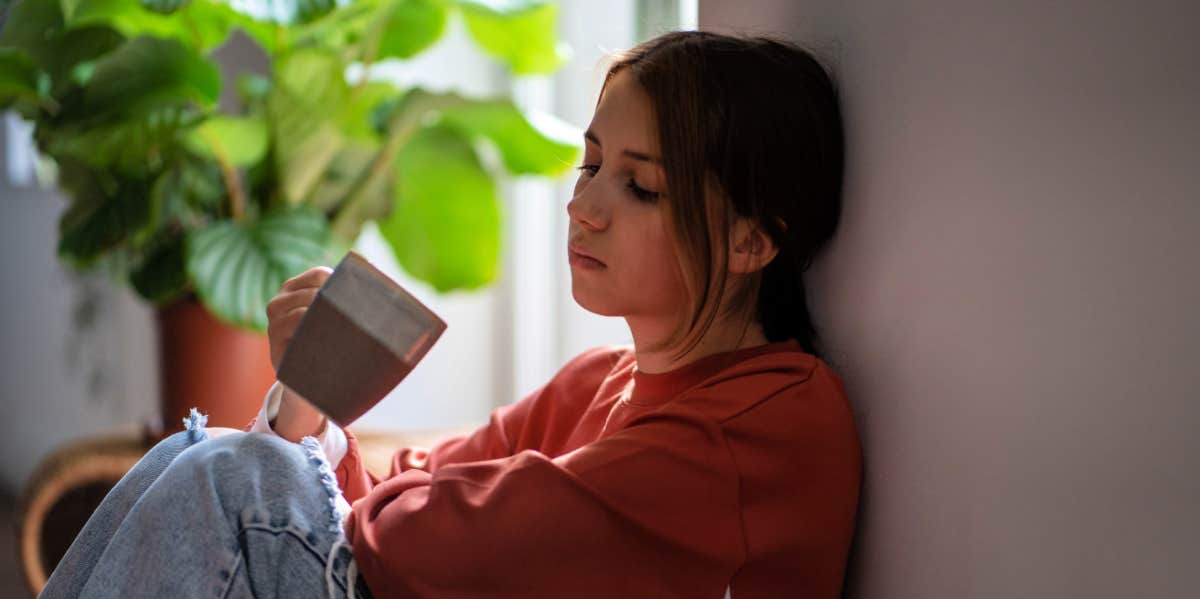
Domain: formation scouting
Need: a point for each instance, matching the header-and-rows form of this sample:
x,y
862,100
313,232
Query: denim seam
x,y
296,533
237,565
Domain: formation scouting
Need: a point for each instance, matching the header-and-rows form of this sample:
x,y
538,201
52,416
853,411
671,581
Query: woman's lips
x,y
582,260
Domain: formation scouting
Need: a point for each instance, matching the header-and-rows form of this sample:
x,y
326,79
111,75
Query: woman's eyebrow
x,y
642,156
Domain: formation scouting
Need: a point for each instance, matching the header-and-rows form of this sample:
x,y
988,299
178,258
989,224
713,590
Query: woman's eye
x,y
644,195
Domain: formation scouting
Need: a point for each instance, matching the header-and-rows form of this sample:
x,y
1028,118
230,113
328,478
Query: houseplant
x,y
197,206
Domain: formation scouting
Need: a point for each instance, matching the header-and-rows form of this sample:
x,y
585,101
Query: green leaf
x,y
396,119
237,267
308,10
445,226
165,7
18,76
200,24
410,26
519,32
345,170
104,213
32,26
252,88
242,141
530,143
76,52
148,73
37,27
356,115
132,145
377,29
162,275
301,106
187,191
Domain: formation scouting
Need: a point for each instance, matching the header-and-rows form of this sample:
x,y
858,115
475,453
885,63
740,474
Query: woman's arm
x,y
493,440
519,425
649,511
297,417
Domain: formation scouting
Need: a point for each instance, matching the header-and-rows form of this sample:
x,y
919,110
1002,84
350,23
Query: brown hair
x,y
748,127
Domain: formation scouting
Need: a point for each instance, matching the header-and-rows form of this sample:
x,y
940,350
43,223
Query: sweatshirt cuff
x,y
332,438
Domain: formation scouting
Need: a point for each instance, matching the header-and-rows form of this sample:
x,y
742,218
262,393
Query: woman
x,y
716,455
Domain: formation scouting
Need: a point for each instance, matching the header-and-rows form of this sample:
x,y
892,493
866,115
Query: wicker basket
x,y
69,484
62,494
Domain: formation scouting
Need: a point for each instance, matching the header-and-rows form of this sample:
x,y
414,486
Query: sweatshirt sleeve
x,y
493,440
600,521
509,427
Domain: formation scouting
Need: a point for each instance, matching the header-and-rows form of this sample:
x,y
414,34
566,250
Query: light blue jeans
x,y
239,515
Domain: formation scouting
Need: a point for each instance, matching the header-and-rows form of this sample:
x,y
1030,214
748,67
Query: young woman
x,y
716,455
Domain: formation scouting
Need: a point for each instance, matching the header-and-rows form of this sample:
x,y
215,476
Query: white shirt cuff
x,y
332,439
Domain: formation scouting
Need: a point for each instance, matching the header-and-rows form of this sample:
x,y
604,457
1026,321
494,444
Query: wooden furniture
x,y
62,493
69,484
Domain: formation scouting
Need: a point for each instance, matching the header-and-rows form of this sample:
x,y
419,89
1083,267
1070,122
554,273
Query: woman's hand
x,y
297,418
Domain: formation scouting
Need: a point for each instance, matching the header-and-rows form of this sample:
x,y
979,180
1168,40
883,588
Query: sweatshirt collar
x,y
657,388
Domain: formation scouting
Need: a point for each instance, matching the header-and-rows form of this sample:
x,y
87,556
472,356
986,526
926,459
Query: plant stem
x,y
233,187
403,125
196,37
370,53
399,132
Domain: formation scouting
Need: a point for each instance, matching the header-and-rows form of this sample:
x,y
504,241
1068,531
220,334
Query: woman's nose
x,y
587,209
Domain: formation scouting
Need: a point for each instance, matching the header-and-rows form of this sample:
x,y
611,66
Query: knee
x,y
230,449
247,445
238,463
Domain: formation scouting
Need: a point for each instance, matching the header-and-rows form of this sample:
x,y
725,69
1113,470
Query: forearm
x,y
296,418
332,439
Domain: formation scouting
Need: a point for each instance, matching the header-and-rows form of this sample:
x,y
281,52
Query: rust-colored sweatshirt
x,y
741,469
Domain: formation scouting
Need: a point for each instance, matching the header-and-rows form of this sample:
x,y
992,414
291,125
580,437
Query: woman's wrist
x,y
297,418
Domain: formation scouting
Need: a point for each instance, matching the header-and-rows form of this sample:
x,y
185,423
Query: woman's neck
x,y
718,339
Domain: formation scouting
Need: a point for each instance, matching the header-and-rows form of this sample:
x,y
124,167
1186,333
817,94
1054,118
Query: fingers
x,y
288,317
281,328
286,301
313,277
288,307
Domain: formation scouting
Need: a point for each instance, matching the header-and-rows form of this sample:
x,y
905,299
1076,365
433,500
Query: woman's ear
x,y
750,249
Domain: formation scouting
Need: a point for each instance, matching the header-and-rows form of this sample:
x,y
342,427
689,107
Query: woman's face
x,y
615,217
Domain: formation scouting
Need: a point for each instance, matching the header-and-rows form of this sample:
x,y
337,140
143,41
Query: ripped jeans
x,y
239,515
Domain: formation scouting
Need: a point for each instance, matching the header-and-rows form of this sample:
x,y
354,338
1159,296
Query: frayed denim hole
x,y
316,457
195,423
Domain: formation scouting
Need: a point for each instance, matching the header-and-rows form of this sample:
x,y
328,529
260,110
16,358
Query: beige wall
x,y
1012,296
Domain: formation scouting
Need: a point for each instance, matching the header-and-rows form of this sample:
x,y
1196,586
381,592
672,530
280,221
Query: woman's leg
x,y
238,516
76,565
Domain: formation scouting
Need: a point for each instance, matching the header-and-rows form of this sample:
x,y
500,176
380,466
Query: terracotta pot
x,y
219,369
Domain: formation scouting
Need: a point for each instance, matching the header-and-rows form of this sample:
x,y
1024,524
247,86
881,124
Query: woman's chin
x,y
586,300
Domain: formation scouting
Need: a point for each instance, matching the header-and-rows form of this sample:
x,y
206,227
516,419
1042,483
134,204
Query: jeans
x,y
240,515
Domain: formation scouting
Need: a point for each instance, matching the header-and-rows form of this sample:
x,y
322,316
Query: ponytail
x,y
783,304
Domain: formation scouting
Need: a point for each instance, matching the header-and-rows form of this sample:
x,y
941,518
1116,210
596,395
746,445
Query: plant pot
x,y
206,364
